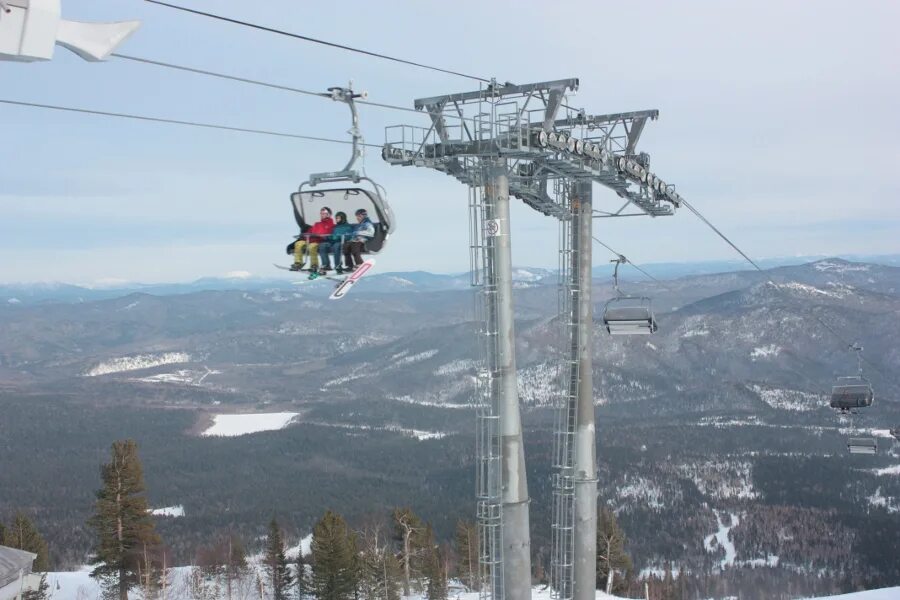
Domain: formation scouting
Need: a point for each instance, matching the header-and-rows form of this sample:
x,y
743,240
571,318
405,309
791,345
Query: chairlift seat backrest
x,y
374,245
862,446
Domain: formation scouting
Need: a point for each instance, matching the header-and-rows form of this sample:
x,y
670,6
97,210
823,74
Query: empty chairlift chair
x,y
628,315
862,446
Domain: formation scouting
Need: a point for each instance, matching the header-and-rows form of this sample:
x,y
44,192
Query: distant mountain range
x,y
32,293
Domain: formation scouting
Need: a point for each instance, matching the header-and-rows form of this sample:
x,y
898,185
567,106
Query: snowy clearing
x,y
418,434
720,539
879,500
137,363
788,399
895,470
231,425
840,292
181,376
766,351
168,511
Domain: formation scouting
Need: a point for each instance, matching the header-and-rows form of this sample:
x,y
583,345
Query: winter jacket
x,y
364,231
320,231
341,233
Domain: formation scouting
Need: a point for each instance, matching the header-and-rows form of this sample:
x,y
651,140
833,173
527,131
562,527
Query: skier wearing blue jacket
x,y
363,231
334,244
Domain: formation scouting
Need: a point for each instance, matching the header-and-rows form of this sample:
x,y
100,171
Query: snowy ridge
x,y
838,292
827,265
456,366
137,363
408,360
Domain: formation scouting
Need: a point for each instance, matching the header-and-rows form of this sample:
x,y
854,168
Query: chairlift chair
x,y
862,446
852,392
346,190
628,315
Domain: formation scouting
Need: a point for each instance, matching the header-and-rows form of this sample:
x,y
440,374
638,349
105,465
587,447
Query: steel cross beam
x,y
522,123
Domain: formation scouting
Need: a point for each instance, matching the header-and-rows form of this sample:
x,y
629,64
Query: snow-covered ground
x,y
883,594
136,363
168,511
232,425
78,585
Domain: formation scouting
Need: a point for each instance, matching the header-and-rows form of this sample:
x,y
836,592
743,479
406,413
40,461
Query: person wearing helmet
x,y
363,231
334,243
311,239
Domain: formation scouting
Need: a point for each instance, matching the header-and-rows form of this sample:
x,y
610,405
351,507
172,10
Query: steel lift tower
x,y
524,141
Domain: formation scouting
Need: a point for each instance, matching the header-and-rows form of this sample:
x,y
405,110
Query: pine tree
x,y
409,532
23,535
467,553
435,572
2,535
235,563
335,568
304,577
122,522
611,555
379,569
276,563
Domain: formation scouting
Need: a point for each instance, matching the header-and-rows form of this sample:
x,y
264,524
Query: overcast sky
x,y
778,120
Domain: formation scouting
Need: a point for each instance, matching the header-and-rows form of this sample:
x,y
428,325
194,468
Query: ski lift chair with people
x,y
346,190
628,315
852,392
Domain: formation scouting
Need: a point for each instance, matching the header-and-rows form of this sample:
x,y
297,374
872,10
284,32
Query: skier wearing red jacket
x,y
310,240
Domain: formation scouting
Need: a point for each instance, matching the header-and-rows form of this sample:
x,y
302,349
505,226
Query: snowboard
x,y
344,282
341,290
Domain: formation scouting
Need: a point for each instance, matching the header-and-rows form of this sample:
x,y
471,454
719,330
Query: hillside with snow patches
x,y
714,434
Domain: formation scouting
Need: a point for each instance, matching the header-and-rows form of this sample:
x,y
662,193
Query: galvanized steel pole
x,y
516,532
585,480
